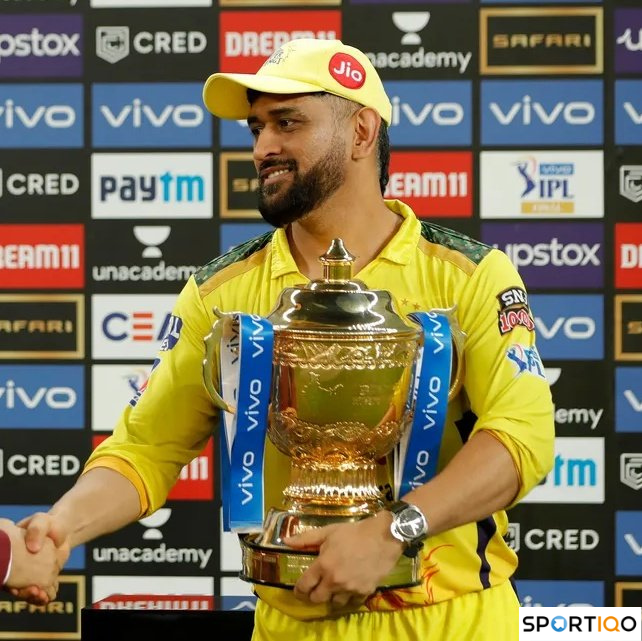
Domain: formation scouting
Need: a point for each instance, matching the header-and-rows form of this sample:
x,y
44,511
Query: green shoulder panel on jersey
x,y
235,255
472,249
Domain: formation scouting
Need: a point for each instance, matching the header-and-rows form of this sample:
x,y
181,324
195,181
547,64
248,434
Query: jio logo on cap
x,y
347,71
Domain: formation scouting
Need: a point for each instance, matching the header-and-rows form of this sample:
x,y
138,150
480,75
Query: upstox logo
x,y
150,115
577,475
536,112
41,115
151,185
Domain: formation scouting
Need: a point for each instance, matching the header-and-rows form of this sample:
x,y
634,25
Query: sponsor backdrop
x,y
518,122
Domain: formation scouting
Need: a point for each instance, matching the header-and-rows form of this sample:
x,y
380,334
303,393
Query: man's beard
x,y
306,192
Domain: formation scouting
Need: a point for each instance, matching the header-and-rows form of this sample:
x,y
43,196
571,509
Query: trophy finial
x,y
337,262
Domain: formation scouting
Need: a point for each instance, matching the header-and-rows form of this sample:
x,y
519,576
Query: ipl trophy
x,y
336,393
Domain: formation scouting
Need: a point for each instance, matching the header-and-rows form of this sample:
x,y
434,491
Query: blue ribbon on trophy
x,y
246,379
417,454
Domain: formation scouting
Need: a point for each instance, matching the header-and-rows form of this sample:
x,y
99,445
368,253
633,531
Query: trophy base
x,y
282,567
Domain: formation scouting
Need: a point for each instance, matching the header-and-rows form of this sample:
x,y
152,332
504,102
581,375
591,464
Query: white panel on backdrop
x,y
233,586
151,185
112,387
577,475
104,586
542,184
129,326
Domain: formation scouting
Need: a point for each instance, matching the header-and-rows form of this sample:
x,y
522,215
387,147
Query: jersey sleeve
x,y
169,423
504,377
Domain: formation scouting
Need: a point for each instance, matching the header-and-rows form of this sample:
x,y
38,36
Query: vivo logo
x,y
56,398
443,114
54,116
536,112
578,335
633,113
150,115
138,114
527,111
574,327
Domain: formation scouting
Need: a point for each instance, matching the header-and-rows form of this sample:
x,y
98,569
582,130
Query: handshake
x,y
34,552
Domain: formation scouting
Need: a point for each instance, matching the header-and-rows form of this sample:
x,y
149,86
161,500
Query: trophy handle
x,y
210,362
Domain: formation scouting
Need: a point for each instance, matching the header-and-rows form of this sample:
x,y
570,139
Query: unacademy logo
x,y
158,554
152,237
411,22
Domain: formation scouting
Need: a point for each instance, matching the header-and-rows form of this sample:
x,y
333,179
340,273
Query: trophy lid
x,y
336,304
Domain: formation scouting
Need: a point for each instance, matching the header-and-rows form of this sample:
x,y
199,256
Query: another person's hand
x,y
34,574
43,532
353,559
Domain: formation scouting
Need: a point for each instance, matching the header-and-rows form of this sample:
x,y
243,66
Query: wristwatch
x,y
409,525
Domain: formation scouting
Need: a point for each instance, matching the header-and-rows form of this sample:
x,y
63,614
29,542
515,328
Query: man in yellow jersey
x,y
319,114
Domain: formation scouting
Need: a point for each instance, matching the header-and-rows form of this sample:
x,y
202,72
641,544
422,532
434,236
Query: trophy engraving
x,y
343,366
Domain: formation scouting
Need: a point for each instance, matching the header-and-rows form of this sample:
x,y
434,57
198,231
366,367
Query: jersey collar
x,y
399,250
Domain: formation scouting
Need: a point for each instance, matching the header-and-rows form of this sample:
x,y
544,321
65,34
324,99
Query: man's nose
x,y
267,144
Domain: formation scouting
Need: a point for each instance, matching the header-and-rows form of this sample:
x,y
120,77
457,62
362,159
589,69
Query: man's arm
x,y
101,501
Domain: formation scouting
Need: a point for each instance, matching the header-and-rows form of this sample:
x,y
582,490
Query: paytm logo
x,y
129,326
628,399
150,115
151,185
628,543
41,116
628,112
42,396
536,112
569,326
577,475
560,594
430,113
16,513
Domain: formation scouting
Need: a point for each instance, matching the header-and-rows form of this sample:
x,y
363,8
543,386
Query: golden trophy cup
x,y
342,370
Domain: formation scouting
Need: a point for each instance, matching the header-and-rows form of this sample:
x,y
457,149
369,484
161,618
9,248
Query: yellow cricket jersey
x,y
424,266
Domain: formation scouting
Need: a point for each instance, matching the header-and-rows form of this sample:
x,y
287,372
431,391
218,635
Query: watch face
x,y
411,523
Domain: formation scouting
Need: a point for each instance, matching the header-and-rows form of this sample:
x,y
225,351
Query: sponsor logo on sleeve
x,y
513,311
526,360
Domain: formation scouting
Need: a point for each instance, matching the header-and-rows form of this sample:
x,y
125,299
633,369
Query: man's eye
x,y
286,122
255,131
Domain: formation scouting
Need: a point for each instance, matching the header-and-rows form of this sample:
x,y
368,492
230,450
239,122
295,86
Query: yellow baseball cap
x,y
306,65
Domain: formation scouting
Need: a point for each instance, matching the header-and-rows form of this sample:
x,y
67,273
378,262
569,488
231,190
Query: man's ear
x,y
366,130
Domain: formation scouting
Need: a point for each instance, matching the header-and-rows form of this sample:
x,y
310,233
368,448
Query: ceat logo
x,y
628,252
195,483
432,183
247,39
347,71
42,256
